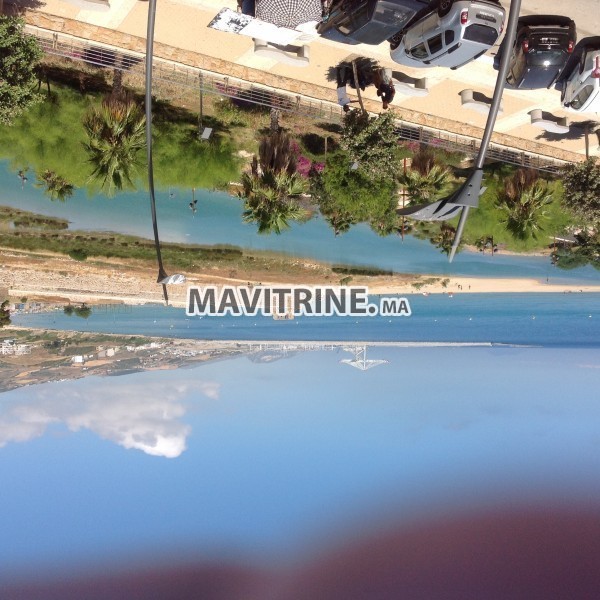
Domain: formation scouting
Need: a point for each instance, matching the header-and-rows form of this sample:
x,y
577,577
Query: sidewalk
x,y
182,35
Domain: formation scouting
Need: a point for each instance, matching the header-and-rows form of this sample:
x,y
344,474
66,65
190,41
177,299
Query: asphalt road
x,y
585,13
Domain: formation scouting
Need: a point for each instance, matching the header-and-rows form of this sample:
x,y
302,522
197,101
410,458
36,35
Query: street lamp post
x,y
467,196
163,278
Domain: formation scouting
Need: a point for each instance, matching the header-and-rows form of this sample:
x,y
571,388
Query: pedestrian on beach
x,y
23,178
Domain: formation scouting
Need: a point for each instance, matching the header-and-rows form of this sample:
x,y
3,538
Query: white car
x,y
458,32
581,90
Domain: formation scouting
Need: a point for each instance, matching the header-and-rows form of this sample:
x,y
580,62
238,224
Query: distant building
x,y
9,347
77,360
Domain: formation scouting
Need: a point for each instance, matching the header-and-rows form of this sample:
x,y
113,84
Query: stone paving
x,y
182,35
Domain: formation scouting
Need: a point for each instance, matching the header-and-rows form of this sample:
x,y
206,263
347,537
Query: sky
x,y
271,459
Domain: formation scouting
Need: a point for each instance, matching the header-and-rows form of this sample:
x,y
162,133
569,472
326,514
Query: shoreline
x,y
58,279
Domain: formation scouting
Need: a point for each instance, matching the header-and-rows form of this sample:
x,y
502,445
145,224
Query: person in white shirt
x,y
343,98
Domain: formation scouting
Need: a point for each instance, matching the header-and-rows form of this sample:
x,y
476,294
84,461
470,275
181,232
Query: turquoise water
x,y
539,319
218,221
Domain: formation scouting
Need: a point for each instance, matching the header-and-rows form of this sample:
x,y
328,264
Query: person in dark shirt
x,y
382,79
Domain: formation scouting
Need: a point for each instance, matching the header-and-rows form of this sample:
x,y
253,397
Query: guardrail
x,y
169,75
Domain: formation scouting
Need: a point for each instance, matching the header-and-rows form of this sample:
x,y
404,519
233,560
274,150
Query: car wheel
x,y
444,7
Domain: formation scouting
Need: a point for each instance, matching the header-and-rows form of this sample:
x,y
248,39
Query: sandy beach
x,y
56,278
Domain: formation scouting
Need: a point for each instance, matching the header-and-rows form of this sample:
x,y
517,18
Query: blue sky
x,y
268,458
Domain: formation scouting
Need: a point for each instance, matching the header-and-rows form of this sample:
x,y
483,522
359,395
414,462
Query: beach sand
x,y
57,278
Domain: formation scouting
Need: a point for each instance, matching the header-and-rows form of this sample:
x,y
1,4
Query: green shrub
x,y
78,254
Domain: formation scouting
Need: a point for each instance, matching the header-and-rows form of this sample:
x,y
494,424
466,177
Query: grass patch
x,y
487,219
50,136
25,219
365,271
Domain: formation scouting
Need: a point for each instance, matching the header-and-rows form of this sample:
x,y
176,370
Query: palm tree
x,y
272,188
444,238
276,153
57,187
423,160
271,199
520,181
386,223
340,221
116,135
523,214
424,188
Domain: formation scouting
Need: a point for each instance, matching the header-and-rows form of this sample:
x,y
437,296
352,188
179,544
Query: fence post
x,y
201,98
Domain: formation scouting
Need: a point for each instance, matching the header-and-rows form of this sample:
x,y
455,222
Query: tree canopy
x,y
55,186
372,144
346,196
581,183
19,55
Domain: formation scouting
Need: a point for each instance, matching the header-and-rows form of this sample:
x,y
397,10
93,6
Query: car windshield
x,y
546,58
356,20
539,77
481,34
372,22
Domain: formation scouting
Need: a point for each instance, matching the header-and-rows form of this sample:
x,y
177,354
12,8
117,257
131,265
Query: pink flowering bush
x,y
304,165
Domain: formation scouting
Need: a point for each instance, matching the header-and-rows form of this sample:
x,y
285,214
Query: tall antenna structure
x,y
360,359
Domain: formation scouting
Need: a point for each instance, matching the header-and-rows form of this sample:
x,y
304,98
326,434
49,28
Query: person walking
x,y
342,74
382,78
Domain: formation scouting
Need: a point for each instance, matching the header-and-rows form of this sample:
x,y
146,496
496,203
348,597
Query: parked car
x,y
581,89
370,21
454,34
540,52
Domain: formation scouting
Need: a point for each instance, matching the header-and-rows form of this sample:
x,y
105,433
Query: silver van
x,y
581,89
458,32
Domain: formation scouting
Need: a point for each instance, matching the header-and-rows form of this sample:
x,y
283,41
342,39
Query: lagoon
x,y
219,221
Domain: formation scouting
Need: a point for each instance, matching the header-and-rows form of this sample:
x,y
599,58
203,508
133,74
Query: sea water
x,y
571,319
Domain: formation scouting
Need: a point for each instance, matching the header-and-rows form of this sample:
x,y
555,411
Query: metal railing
x,y
172,76
457,143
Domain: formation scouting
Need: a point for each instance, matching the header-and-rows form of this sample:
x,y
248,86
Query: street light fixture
x,y
163,278
467,195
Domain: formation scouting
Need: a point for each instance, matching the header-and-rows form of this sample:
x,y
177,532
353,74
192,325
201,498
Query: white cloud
x,y
133,415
